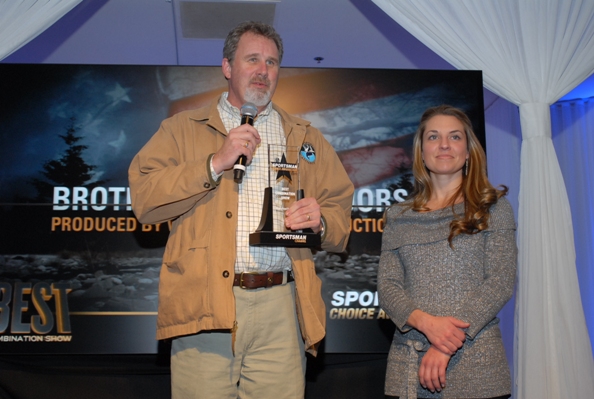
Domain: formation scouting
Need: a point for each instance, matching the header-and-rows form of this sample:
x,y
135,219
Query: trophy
x,y
283,189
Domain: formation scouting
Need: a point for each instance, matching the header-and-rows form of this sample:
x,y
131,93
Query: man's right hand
x,y
241,140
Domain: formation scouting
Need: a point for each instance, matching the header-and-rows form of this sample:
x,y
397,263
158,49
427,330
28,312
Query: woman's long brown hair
x,y
478,193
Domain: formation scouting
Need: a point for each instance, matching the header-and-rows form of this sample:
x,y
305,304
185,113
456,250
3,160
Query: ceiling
x,y
316,33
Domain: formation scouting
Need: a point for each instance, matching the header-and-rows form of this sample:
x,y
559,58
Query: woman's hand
x,y
445,333
432,373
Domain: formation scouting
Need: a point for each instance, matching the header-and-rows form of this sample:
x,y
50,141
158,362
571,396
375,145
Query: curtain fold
x,y
22,20
531,53
572,127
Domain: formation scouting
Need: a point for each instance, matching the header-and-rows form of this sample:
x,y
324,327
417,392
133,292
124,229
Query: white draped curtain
x,y
22,20
531,53
573,138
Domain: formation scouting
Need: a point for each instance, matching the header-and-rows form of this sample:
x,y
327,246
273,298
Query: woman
x,y
447,267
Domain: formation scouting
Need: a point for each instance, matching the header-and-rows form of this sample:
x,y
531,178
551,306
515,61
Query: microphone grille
x,y
249,109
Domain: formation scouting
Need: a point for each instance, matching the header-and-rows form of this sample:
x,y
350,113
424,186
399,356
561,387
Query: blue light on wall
x,y
583,90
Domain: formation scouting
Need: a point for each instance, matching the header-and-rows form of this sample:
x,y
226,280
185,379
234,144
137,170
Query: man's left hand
x,y
304,214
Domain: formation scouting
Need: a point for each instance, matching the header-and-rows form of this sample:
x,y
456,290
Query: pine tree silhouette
x,y
70,170
405,181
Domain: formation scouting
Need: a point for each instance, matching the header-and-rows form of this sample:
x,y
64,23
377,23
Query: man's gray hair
x,y
257,28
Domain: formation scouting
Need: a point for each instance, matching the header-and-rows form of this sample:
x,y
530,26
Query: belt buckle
x,y
241,279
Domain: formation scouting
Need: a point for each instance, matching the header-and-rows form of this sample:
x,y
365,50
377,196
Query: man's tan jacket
x,y
170,180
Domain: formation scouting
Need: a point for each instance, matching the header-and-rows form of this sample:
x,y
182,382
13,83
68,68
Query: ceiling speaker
x,y
214,20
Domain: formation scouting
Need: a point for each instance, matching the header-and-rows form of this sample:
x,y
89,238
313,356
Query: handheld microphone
x,y
248,114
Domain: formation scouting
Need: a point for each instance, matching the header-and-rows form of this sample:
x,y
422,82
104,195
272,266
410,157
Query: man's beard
x,y
257,97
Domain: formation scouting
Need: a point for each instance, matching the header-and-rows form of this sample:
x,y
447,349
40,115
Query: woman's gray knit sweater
x,y
471,282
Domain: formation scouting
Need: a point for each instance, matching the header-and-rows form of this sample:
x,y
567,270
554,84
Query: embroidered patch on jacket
x,y
308,152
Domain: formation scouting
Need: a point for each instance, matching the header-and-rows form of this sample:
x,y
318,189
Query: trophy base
x,y
285,239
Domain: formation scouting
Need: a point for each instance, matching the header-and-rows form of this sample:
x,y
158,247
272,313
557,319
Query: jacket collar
x,y
294,127
210,115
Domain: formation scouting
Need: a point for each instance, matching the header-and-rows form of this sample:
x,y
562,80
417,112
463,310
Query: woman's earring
x,y
466,168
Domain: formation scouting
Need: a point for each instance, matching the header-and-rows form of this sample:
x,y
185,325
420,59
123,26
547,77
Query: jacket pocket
x,y
192,258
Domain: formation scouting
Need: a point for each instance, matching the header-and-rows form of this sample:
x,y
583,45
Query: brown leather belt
x,y
252,280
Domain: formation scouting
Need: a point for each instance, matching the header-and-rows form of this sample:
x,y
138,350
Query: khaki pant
x,y
269,359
